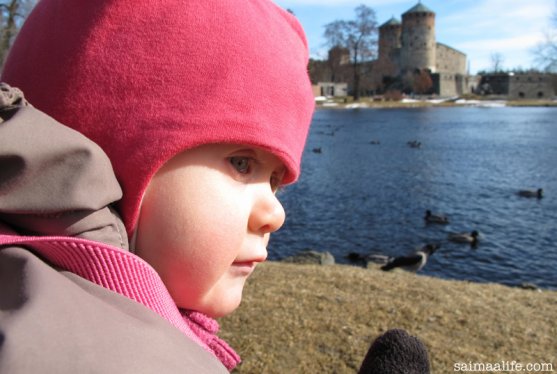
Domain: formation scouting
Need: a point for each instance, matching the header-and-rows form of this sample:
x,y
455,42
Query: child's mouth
x,y
243,268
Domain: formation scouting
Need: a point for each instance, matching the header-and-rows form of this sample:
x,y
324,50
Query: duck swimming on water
x,y
414,144
435,218
466,238
531,193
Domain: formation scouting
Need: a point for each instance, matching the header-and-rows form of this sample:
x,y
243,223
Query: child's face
x,y
205,223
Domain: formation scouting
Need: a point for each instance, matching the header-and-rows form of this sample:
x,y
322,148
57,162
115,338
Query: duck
x,y
414,262
531,193
466,238
435,218
414,144
375,258
355,257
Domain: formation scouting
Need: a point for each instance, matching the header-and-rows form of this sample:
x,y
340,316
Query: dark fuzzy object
x,y
396,352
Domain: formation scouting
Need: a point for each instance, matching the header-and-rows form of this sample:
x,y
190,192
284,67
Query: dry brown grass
x,y
321,319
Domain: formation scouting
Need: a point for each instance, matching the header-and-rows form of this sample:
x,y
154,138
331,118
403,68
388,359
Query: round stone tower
x,y
389,38
418,44
388,61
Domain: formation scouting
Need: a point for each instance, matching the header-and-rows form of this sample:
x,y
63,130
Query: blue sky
x,y
478,28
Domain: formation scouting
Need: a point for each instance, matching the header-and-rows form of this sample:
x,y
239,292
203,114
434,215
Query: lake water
x,y
355,196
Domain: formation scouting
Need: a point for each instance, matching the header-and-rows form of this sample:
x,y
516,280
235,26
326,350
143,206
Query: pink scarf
x,y
130,276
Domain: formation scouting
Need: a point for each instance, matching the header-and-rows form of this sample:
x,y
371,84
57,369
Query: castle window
x,y
521,95
540,95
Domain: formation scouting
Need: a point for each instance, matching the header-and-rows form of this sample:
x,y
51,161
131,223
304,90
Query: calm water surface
x,y
355,196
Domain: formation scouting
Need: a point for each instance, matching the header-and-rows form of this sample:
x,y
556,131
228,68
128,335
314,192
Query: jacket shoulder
x,y
57,322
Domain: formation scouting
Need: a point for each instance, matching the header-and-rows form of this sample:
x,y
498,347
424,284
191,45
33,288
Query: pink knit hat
x,y
146,80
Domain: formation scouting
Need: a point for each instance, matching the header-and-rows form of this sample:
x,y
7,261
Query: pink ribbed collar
x,y
128,275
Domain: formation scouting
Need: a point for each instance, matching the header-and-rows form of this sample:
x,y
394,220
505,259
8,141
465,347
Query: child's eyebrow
x,y
249,151
262,156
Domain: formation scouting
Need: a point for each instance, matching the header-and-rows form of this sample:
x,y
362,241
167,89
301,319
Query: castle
x,y
410,46
408,52
410,60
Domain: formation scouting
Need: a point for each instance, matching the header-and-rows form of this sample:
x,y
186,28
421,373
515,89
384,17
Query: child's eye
x,y
241,164
276,181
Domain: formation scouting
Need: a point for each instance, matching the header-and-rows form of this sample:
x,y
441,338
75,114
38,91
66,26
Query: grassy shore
x,y
321,319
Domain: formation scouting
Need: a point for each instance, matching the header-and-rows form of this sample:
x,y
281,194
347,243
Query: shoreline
x,y
370,103
311,257
322,318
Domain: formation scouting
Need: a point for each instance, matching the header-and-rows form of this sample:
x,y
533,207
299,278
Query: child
x,y
202,109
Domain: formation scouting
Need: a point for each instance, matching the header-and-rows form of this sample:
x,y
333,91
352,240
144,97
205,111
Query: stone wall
x,y
531,86
449,60
519,85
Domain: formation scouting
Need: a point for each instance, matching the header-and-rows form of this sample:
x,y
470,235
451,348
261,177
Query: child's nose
x,y
267,213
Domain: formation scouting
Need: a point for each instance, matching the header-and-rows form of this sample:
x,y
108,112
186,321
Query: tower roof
x,y
392,22
418,8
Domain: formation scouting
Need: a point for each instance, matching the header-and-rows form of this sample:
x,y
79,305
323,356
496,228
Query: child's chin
x,y
226,306
222,312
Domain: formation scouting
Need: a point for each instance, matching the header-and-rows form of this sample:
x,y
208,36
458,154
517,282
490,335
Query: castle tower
x,y
389,48
389,38
418,44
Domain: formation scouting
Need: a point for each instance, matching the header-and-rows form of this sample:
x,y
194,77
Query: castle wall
x,y
531,86
495,84
418,45
450,84
449,60
519,86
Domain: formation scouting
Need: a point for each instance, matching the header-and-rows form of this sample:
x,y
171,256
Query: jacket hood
x,y
53,180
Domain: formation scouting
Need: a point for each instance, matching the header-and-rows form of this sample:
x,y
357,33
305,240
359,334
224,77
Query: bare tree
x,y
359,37
545,53
12,15
496,62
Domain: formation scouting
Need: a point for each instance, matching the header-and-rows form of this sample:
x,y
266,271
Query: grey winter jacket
x,y
54,181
